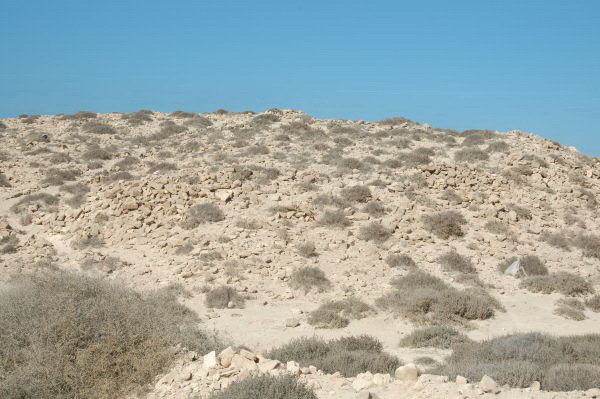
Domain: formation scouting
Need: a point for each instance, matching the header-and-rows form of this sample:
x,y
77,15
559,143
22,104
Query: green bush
x,y
350,355
64,335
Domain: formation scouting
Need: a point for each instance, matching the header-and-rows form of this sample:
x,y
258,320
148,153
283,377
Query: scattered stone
x,y
488,385
410,372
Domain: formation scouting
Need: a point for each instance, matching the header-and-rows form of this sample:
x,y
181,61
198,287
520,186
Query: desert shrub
x,y
309,278
426,361
96,154
589,244
139,117
337,314
4,181
98,128
442,337
471,155
265,387
572,303
182,114
451,196
87,241
593,303
400,260
81,115
224,297
68,336
374,209
566,283
106,265
590,198
535,159
8,244
266,119
258,150
445,224
127,162
307,249
530,265
78,192
559,363
349,163
374,232
122,175
421,297
356,194
456,262
498,146
44,200
418,156
248,224
349,355
396,120
497,227
333,218
570,308
57,177
557,240
522,213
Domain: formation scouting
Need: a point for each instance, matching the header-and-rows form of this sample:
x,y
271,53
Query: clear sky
x,y
532,65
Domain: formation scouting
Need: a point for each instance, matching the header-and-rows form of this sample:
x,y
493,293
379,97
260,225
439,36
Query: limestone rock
x,y
410,372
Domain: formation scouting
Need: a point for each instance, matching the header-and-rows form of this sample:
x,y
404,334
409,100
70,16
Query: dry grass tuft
x,y
374,232
337,314
206,212
400,260
456,262
224,297
566,283
265,387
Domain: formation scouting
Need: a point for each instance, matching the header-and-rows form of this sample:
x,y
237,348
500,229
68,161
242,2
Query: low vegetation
x,y
337,314
121,342
453,261
565,283
400,260
349,355
206,212
530,265
265,387
224,297
442,337
445,225
559,363
309,278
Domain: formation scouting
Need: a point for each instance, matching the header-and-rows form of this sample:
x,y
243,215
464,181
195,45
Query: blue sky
x,y
530,64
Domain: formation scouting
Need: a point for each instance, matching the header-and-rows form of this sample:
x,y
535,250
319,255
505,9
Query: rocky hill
x,y
275,226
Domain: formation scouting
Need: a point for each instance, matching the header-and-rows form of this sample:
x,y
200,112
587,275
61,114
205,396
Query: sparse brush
x,y
307,249
356,194
456,262
445,224
589,244
337,314
400,260
442,337
206,212
265,387
497,227
349,355
224,297
57,177
374,232
162,167
44,200
557,240
334,218
451,196
309,278
87,241
374,209
565,363
522,213
498,146
593,303
471,155
530,265
566,283
95,127
68,336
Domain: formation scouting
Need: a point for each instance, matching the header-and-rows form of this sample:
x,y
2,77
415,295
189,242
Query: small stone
x,y
461,380
292,367
488,385
225,356
224,195
209,360
185,376
366,395
243,363
359,384
410,372
535,386
130,204
292,323
268,365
